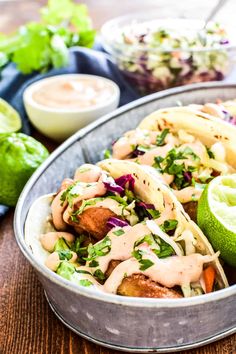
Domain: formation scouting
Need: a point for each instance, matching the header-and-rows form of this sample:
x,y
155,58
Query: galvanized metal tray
x,y
131,324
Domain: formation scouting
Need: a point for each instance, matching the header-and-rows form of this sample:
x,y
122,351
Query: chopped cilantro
x,y
169,225
172,165
147,238
210,153
76,247
100,249
84,204
165,250
64,255
93,264
85,282
107,154
145,264
160,140
137,254
118,232
154,213
99,274
157,162
68,195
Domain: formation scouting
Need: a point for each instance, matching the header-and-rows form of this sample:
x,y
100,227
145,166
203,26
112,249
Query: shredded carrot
x,y
209,278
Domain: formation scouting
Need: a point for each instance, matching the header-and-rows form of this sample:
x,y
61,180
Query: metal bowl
x,y
131,324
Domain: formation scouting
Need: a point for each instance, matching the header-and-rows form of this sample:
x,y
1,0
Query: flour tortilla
x,y
206,128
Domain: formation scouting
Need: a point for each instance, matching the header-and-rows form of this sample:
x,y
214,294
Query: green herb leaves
x,y
69,194
169,225
173,164
144,263
85,203
160,139
37,46
161,248
99,249
118,232
164,251
210,153
85,282
64,255
154,213
99,274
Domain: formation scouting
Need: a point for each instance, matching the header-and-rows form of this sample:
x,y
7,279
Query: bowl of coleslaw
x,y
155,54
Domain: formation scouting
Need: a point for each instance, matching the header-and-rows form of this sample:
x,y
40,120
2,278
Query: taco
x,y
223,110
116,228
185,146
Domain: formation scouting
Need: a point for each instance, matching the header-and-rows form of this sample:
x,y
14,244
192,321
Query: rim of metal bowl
x,y
91,293
111,45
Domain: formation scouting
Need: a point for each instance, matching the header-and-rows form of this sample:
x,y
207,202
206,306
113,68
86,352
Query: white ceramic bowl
x,y
60,123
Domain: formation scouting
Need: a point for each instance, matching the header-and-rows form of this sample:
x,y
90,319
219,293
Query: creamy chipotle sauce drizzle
x,y
171,271
73,93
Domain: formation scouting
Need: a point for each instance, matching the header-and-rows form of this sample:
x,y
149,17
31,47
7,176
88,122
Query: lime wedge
x,y
216,216
9,118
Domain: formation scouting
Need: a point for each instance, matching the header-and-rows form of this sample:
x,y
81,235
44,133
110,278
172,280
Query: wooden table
x,y
27,325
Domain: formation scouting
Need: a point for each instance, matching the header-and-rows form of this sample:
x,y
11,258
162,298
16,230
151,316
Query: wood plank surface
x,y
27,325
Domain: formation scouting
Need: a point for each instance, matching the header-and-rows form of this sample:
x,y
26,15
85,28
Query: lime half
x,y
9,118
216,216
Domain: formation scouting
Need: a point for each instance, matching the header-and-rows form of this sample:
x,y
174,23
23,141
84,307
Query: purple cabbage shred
x,y
113,187
123,180
137,152
145,205
114,222
224,41
187,176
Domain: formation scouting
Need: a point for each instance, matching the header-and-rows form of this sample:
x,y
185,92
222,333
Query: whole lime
x,y
20,156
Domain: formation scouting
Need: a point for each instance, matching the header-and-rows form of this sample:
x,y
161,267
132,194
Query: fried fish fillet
x,y
112,265
138,285
191,210
94,221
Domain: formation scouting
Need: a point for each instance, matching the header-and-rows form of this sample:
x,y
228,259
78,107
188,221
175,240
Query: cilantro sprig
x,y
38,46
